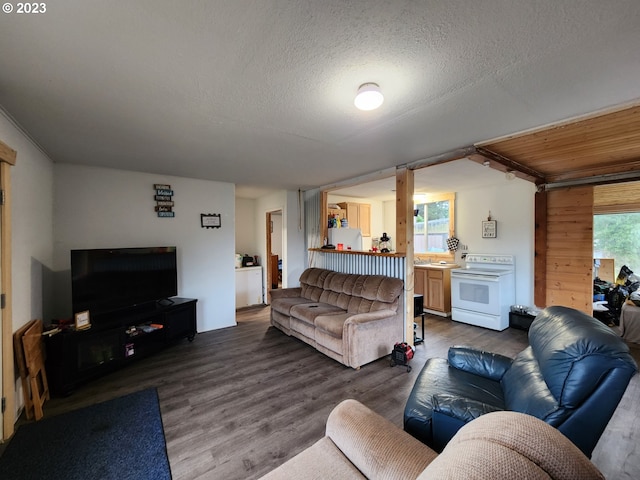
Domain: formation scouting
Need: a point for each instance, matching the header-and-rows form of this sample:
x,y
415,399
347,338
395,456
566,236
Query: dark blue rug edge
x,y
119,438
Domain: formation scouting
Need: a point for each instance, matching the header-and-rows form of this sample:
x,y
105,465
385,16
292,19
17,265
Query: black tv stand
x,y
77,356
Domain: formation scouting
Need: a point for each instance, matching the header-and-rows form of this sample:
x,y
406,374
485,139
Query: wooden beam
x,y
540,250
504,164
7,154
404,240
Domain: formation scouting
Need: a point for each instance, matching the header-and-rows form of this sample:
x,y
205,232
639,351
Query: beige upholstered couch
x,y
351,318
501,445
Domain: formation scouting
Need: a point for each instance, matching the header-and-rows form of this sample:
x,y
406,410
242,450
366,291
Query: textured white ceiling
x,y
260,93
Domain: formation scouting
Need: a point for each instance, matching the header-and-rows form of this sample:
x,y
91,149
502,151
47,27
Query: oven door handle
x,y
476,276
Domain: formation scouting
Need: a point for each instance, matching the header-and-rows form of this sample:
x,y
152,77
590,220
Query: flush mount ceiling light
x,y
369,97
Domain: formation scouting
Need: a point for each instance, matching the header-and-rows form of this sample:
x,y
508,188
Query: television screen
x,y
105,280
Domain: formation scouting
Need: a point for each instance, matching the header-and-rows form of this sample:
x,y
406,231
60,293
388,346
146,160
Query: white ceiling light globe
x,y
369,97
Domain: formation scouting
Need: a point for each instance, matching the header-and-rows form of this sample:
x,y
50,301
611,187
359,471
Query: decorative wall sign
x,y
210,220
489,229
164,200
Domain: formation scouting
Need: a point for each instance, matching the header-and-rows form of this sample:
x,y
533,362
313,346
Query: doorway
x,y
275,252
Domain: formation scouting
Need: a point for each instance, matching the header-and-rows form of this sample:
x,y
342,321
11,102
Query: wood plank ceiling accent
x,y
602,148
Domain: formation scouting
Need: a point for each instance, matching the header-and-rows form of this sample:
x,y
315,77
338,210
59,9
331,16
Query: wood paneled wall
x,y
569,248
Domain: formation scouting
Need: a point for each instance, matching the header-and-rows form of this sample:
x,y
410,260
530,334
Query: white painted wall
x,y
105,208
294,255
246,239
389,216
32,229
31,234
512,206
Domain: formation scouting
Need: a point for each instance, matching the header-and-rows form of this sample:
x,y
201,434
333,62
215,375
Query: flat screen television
x,y
107,280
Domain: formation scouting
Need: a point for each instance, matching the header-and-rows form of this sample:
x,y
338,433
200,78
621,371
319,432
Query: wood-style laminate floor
x,y
238,402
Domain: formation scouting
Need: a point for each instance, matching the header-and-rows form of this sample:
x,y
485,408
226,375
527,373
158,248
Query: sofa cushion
x,y
510,445
574,353
312,283
361,293
284,305
526,391
307,312
321,461
332,324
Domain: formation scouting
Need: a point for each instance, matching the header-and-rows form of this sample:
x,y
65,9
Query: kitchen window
x,y
433,223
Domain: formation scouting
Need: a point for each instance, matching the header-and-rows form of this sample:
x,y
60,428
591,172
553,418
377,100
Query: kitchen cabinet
x,y
358,215
434,284
248,286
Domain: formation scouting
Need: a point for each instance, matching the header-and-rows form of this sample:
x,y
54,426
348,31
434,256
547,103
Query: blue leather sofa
x,y
572,376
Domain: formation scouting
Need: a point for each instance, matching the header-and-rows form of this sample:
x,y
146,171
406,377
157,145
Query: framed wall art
x,y
210,220
82,320
489,229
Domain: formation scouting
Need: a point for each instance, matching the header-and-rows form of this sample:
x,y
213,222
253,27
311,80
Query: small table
x,y
418,311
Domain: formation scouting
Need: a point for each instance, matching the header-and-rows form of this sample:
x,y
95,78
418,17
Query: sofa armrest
x,y
378,448
485,364
370,316
450,414
285,292
461,408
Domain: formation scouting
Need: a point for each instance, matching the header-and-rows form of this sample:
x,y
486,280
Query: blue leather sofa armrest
x,y
478,362
451,413
464,409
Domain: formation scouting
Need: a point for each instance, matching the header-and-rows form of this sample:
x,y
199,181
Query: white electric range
x,y
483,291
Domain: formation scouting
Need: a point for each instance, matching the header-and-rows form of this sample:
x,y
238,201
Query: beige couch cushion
x,y
352,292
308,312
284,305
510,445
332,324
321,461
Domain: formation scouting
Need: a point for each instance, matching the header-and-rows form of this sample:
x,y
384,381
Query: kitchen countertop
x,y
432,266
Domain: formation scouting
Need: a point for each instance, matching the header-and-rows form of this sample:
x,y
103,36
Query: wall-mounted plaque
x,y
210,220
489,229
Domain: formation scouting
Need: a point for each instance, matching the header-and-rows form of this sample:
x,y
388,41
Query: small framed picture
x,y
210,220
489,229
82,320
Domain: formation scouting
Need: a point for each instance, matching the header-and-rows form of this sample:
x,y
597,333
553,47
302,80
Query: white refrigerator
x,y
348,237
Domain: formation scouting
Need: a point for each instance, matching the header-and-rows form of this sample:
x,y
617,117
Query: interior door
x,y
274,243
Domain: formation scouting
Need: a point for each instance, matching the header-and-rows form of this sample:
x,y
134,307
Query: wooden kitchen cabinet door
x,y
435,289
359,216
420,283
364,217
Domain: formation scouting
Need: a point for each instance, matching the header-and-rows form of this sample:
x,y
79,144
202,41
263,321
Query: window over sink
x,y
433,223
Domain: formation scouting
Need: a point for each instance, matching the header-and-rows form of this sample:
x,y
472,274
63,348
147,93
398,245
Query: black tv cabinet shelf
x,y
77,356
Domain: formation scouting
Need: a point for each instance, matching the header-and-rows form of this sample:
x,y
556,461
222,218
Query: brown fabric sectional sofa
x,y
352,318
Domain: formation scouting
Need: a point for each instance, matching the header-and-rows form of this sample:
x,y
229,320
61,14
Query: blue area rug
x,y
119,439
